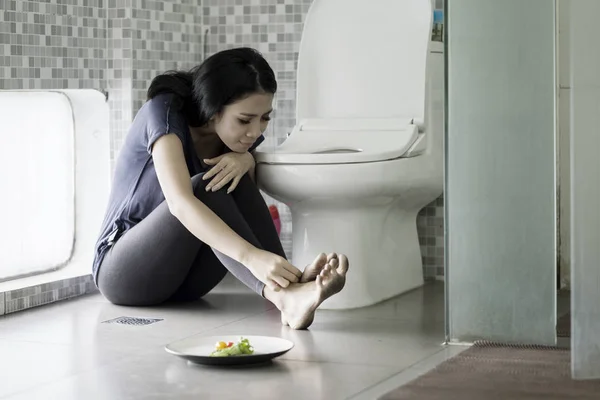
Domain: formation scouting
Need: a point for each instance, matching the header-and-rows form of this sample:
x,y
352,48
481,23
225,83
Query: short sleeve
x,y
259,140
163,118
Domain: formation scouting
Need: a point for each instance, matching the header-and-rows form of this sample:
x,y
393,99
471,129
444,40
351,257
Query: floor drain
x,y
134,321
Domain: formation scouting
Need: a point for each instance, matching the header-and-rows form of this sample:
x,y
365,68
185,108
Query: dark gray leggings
x,y
159,259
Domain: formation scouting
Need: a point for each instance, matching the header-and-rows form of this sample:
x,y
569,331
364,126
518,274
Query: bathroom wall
x,y
275,27
45,45
110,45
147,38
165,35
52,45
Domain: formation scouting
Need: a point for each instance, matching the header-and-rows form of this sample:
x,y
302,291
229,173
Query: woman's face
x,y
241,123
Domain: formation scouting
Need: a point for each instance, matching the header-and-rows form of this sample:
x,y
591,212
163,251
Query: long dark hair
x,y
223,78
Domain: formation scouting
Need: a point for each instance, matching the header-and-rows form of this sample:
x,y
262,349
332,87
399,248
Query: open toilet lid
x,y
343,142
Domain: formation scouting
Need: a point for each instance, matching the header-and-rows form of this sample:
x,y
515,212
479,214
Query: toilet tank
x,y
364,59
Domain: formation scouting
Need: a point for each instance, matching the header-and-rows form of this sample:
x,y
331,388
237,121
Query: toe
x,y
321,259
343,265
313,269
334,263
319,281
333,272
331,256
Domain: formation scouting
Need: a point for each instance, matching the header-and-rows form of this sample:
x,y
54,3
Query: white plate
x,y
197,349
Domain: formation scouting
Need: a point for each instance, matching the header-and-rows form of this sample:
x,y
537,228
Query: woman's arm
x,y
201,221
251,171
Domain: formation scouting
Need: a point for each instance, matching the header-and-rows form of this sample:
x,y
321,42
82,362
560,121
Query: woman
x,y
184,208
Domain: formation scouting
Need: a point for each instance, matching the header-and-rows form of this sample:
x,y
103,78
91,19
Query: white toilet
x,y
366,153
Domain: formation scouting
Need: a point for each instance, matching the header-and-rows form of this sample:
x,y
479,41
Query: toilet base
x,y
379,238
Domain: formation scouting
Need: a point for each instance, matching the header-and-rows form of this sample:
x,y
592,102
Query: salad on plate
x,y
241,348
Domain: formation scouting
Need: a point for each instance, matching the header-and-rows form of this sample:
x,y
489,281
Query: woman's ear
x,y
217,117
211,121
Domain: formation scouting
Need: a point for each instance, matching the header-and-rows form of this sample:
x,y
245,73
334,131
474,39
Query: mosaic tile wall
x,y
119,71
21,299
275,27
52,44
147,38
166,35
115,46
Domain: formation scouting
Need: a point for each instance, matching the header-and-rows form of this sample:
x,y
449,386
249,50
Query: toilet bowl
x,y
365,155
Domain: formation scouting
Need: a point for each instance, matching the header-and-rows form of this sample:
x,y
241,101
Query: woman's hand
x,y
226,168
272,270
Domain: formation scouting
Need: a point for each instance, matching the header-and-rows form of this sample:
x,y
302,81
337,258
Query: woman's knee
x,y
247,184
131,290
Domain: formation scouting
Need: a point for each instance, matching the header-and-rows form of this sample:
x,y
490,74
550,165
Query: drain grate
x,y
134,321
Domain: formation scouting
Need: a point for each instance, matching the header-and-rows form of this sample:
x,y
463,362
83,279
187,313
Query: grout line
x,y
285,358
364,392
406,375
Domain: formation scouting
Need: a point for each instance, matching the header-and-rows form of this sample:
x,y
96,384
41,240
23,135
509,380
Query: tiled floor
x,y
64,351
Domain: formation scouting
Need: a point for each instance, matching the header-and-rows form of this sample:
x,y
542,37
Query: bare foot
x,y
300,300
314,269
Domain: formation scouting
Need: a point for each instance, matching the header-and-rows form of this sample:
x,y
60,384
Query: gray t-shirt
x,y
135,191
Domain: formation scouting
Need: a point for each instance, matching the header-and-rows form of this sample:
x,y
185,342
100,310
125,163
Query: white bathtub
x,y
55,177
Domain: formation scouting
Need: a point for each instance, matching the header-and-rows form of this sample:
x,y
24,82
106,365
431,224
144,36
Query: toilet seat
x,y
344,141
360,97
